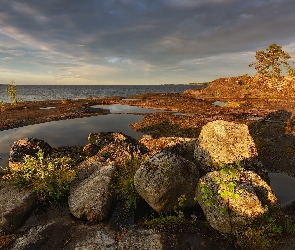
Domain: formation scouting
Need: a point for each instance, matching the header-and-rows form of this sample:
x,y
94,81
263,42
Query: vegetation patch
x,y
126,197
49,178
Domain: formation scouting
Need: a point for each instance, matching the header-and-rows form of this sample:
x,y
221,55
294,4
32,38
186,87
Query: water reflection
x,y
283,186
68,132
119,108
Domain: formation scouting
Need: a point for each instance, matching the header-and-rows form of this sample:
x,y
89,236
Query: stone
x,y
15,205
164,178
102,139
223,142
27,146
59,234
177,145
141,239
229,214
90,149
92,197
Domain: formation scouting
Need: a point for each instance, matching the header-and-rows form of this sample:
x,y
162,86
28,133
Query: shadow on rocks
x,y
274,137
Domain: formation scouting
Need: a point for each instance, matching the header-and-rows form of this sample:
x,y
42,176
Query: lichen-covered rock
x,y
102,139
92,197
27,146
164,178
113,146
231,201
178,145
227,142
15,205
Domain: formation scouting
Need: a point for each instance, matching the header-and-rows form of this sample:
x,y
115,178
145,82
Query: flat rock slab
x,y
15,205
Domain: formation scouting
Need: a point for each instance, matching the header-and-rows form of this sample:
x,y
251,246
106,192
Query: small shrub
x,y
2,106
12,92
177,218
123,187
49,178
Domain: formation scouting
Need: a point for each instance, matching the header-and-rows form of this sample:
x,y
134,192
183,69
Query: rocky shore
x,y
270,140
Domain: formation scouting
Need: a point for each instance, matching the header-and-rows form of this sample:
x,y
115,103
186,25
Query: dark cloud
x,y
160,33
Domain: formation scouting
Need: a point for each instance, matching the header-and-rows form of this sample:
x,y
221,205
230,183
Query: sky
x,y
138,41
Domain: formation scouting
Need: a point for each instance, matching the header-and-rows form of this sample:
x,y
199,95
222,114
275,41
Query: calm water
x,y
59,92
68,132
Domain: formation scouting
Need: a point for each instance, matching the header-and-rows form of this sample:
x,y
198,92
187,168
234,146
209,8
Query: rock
x,y
141,239
64,235
92,197
104,138
120,151
164,178
227,142
114,146
27,146
90,149
228,214
15,205
177,145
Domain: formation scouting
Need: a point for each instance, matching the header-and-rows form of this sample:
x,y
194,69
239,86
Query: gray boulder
x,y
230,202
15,205
91,198
60,234
164,178
222,142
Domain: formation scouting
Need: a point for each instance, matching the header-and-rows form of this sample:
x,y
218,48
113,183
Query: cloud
x,y
129,35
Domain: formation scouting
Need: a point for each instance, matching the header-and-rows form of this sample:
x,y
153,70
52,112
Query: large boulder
x,y
164,178
91,198
231,200
27,146
15,205
222,142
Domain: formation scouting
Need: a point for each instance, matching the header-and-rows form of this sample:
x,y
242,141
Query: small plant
x,y
176,218
12,92
123,187
50,179
217,93
2,106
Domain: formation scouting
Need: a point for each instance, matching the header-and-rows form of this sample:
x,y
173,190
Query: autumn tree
x,y
270,61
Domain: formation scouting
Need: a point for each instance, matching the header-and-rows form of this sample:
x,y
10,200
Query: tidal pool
x,y
68,132
120,108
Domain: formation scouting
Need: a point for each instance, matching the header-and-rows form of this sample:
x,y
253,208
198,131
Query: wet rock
x,y
222,142
15,205
92,198
164,178
27,146
245,197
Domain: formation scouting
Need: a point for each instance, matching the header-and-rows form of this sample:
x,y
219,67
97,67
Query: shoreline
x,y
270,122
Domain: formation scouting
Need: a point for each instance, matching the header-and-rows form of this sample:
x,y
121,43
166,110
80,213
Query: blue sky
x,y
138,41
